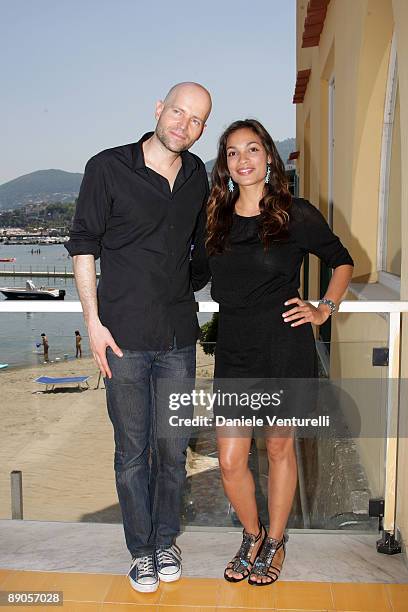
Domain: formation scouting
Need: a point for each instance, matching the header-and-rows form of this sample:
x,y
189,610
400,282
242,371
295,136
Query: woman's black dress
x,y
251,286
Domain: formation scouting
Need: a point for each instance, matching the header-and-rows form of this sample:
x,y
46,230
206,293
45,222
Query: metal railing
x,y
37,270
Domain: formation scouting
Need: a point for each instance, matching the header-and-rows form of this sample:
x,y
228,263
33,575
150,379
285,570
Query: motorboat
x,y
7,259
31,292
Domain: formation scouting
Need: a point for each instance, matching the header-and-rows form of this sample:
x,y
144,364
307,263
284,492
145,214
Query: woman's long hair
x,y
274,205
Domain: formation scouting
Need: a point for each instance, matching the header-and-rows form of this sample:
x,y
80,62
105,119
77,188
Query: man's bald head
x,y
189,88
181,116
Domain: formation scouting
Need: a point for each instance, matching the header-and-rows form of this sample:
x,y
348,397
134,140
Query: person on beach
x,y
45,345
78,347
257,236
140,208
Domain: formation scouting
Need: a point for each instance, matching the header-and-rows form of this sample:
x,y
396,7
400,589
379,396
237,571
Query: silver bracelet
x,y
329,303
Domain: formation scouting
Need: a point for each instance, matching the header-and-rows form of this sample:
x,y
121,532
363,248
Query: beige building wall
x,y
400,10
355,48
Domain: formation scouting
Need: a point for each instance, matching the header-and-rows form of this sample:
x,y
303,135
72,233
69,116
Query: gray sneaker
x,y
168,563
143,574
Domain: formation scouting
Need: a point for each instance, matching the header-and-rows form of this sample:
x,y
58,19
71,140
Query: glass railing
x,y
338,471
60,439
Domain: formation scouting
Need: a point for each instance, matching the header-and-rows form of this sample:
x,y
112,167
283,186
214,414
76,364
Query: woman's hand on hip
x,y
304,312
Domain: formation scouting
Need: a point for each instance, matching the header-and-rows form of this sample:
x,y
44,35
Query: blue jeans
x,y
150,470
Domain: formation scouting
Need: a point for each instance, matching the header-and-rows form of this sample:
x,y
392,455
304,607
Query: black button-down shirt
x,y
143,232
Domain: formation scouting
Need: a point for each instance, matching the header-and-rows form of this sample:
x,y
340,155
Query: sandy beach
x,y
62,442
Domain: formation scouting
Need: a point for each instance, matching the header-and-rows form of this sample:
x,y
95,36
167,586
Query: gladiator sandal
x,y
241,563
269,561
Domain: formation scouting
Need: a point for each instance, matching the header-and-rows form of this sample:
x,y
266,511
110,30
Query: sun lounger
x,y
50,381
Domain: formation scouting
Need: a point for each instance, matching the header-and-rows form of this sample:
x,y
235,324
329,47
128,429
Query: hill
x,y
285,147
40,186
46,186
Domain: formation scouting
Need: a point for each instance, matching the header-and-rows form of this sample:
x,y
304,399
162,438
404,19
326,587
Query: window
x,y
331,151
389,226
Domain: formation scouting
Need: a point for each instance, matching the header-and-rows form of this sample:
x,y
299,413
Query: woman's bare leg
x,y
238,483
282,480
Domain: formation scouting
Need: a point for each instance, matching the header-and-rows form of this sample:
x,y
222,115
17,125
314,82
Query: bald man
x,y
141,209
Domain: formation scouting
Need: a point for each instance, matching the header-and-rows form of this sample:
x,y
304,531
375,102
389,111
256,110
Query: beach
x,y
62,442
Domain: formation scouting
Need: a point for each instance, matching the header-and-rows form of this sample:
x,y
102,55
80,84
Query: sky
x,y
79,76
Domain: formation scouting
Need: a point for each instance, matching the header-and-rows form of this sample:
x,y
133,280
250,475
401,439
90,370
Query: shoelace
x,y
144,565
169,556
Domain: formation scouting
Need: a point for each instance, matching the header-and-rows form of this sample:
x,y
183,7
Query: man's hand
x,y
99,339
304,312
99,336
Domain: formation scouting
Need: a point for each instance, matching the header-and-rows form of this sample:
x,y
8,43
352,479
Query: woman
x,y
257,236
78,346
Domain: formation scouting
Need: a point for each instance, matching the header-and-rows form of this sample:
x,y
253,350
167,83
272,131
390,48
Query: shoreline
x,y
53,362
201,358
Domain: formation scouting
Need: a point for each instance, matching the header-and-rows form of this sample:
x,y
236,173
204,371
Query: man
x,y
141,206
46,346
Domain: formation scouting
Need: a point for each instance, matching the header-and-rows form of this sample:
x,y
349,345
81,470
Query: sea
x,y
20,333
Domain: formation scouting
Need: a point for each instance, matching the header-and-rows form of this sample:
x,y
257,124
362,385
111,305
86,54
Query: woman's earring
x,y
230,185
268,173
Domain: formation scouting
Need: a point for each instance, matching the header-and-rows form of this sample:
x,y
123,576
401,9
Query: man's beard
x,y
168,143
